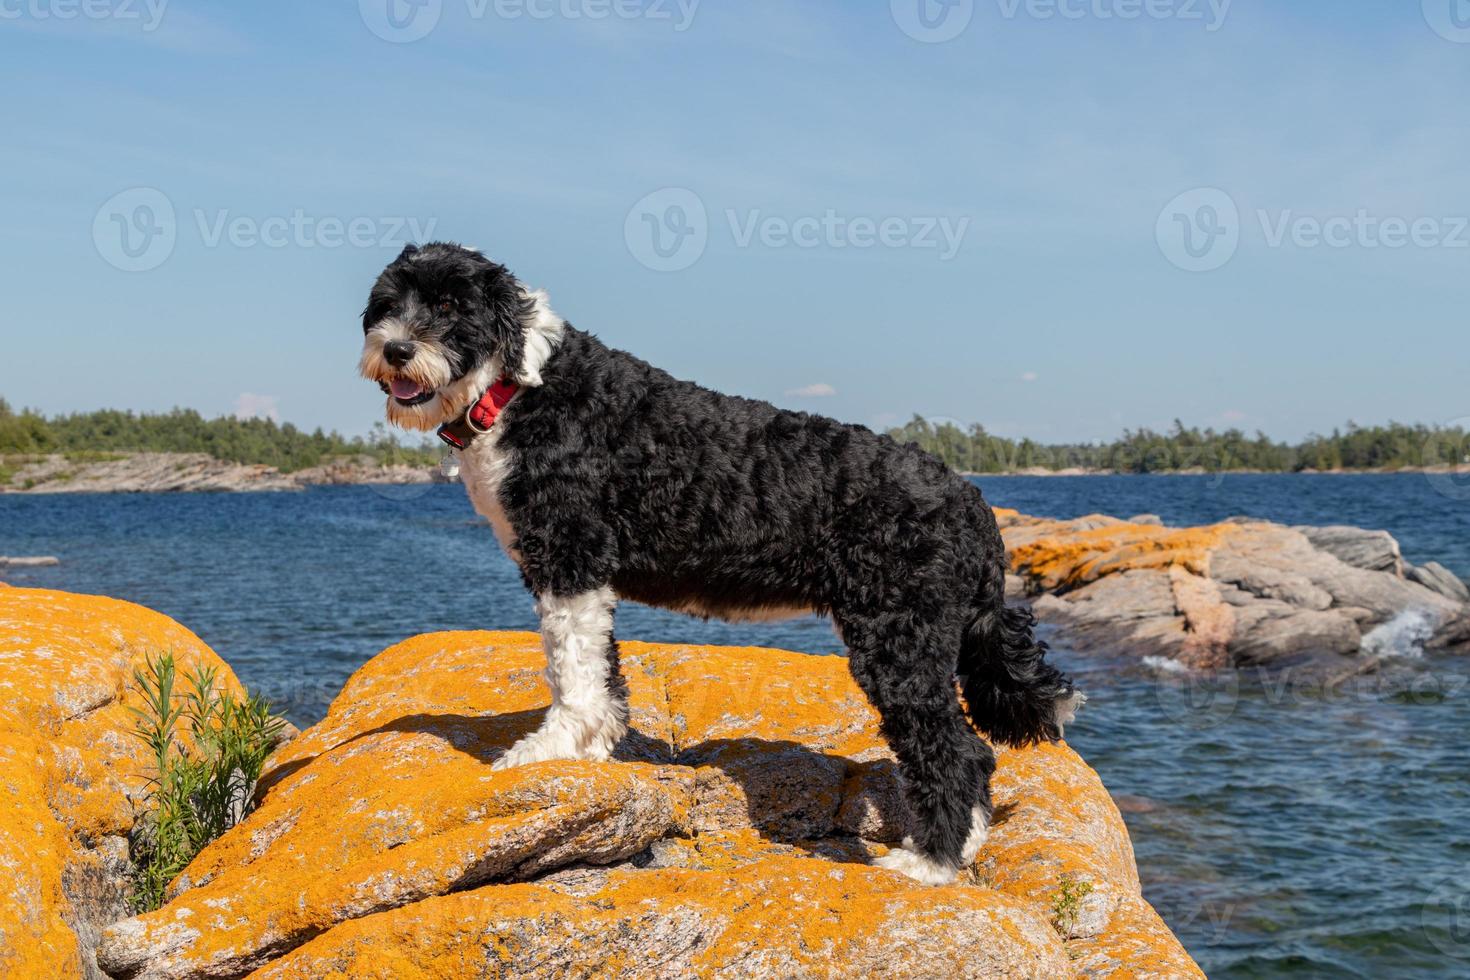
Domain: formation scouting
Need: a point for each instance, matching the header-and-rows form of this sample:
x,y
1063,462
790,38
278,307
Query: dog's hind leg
x,y
589,697
907,673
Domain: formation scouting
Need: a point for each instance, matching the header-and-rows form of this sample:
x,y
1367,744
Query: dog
x,y
605,478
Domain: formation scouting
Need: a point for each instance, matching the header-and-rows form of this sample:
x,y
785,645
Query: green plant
x,y
1066,905
208,748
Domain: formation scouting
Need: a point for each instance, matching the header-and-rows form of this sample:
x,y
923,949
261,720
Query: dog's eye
x,y
446,306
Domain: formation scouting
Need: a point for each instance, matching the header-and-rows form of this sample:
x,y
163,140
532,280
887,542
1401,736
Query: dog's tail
x,y
1012,695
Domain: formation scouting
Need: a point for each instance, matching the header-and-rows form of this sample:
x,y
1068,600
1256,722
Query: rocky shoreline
x,y
732,835
1240,593
197,472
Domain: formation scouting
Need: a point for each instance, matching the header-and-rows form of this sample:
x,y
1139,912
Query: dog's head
x,y
442,323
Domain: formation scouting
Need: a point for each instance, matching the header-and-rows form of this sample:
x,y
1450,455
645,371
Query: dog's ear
x,y
505,308
409,251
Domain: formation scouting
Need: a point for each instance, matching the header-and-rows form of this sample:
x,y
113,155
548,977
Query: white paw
x,y
979,830
906,860
564,735
537,747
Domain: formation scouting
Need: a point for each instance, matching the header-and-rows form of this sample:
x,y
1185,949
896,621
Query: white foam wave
x,y
1403,636
1164,665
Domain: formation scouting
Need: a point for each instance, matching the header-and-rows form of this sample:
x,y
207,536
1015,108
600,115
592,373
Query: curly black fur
x,y
682,497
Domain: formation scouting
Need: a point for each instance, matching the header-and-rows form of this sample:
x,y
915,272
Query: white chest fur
x,y
484,467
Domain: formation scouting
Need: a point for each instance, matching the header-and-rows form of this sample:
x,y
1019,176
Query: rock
x,y
1264,638
1210,622
732,836
1064,555
1375,551
41,562
69,769
781,917
1433,575
1242,592
1132,610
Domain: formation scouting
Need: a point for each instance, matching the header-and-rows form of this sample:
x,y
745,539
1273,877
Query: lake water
x,y
1283,828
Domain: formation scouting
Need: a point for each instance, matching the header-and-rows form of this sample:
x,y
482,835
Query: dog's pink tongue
x,y
405,389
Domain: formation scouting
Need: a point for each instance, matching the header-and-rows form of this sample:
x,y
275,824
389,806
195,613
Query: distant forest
x,y
253,440
1390,447
970,450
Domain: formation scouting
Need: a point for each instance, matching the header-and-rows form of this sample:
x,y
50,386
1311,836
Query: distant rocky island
x,y
113,451
196,472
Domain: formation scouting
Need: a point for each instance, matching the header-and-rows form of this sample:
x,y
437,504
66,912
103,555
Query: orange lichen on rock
x,y
1055,822
1060,555
36,939
784,917
71,770
727,838
1137,946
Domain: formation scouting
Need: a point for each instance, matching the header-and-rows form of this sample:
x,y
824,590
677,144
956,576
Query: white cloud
x,y
819,390
249,406
1030,376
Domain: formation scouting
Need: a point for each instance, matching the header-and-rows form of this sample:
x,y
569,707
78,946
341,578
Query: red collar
x,y
480,416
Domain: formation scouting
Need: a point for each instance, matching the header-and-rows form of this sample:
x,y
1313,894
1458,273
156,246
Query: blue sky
x,y
856,217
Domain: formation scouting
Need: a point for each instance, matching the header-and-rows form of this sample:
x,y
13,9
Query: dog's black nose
x,y
398,352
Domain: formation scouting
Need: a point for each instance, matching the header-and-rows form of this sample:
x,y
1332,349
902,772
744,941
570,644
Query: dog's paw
x,y
553,745
925,870
979,830
532,749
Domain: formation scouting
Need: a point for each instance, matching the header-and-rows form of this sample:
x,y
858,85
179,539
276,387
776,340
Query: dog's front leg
x,y
589,698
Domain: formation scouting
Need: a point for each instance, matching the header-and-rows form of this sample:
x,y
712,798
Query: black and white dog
x,y
605,478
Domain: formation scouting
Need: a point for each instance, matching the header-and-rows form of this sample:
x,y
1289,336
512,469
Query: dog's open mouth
x,y
407,392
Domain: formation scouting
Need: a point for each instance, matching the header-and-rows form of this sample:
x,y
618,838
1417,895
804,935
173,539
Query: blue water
x,y
1283,827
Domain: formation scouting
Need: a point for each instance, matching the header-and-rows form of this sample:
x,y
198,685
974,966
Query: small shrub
x,y
208,749
1066,905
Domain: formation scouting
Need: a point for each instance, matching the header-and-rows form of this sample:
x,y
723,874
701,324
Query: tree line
x,y
1354,447
970,450
252,440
